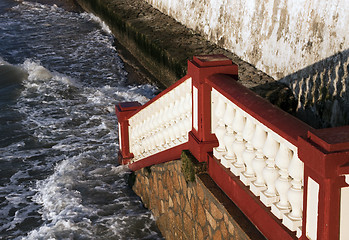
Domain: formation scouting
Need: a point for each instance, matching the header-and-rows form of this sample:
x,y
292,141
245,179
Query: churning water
x,y
60,77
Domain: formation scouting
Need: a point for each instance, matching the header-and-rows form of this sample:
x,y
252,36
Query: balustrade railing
x,y
261,158
290,180
163,124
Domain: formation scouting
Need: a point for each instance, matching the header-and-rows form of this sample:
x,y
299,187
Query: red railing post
x,y
325,153
201,139
123,112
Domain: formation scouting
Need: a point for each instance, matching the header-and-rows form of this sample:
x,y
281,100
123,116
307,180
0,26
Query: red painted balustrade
x,y
289,179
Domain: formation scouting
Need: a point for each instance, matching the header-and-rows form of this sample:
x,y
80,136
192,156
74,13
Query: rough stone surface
x,y
211,220
217,235
152,42
182,214
216,213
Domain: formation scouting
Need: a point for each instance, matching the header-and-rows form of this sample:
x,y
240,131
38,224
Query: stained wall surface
x,y
278,36
301,42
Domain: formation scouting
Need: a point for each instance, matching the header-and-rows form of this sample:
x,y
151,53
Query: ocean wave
x,y
59,177
95,18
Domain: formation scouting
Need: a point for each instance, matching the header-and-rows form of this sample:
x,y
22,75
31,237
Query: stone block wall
x,y
190,210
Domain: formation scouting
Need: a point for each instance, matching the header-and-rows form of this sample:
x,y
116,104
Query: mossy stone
x,y
191,166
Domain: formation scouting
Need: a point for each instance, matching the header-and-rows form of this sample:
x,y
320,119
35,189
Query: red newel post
x,y
123,112
201,138
325,153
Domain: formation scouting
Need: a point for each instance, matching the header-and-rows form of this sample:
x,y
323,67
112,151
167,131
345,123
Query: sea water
x,y
60,77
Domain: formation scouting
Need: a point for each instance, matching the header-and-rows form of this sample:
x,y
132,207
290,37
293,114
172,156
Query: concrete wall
x,y
277,36
190,210
322,91
287,39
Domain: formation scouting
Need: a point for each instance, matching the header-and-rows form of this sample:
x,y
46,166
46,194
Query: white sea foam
x,y
63,182
82,151
83,147
3,62
36,71
120,169
104,26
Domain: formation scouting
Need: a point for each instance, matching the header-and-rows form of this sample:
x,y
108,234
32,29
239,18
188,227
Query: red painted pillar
x,y
124,111
325,153
201,139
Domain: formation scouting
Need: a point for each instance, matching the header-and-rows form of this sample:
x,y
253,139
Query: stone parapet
x,y
190,210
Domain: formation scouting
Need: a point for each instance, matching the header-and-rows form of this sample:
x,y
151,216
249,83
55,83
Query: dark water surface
x,y
60,77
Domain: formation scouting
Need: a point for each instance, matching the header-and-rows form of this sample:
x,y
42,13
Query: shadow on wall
x,y
279,95
322,91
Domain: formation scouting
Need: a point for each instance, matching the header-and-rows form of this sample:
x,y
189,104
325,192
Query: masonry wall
x,y
303,43
279,37
190,210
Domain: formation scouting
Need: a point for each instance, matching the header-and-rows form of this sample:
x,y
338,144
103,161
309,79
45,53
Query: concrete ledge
x,y
154,42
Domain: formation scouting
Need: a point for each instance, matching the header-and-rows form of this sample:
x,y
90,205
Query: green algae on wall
x,y
136,37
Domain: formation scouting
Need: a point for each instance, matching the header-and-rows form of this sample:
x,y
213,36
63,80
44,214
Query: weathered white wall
x,y
283,38
279,37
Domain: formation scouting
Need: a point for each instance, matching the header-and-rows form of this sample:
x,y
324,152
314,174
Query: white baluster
x,y
135,131
156,121
177,132
220,129
167,115
172,136
238,145
167,134
153,144
157,137
229,137
180,119
188,117
143,128
163,124
188,126
182,108
176,110
162,117
145,144
149,144
172,112
182,130
188,104
171,121
248,155
134,150
151,126
283,183
293,220
258,163
270,172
